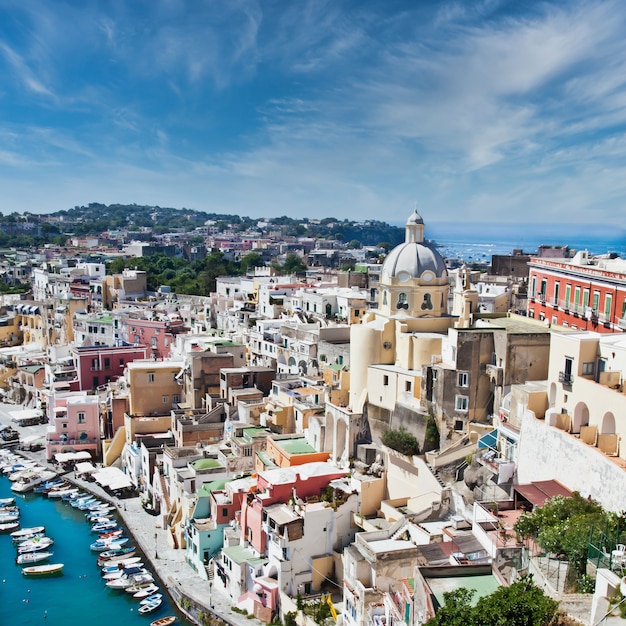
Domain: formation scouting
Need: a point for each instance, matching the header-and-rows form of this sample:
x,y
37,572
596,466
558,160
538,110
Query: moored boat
x,y
108,544
43,570
122,563
164,621
146,592
5,527
151,606
32,557
27,532
7,501
105,556
152,598
35,544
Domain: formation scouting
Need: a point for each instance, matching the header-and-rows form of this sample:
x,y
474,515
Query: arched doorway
x,y
608,424
581,417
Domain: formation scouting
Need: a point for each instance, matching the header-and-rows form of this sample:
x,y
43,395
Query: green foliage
x,y
401,441
293,264
290,619
562,526
431,441
521,604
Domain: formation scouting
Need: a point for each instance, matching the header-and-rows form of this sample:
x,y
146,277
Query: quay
x,y
202,602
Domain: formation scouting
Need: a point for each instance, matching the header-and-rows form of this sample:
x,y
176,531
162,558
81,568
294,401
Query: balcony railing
x,y
566,378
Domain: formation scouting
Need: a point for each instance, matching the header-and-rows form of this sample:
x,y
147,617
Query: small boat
x,y
132,570
148,608
110,534
32,557
152,598
108,544
146,592
43,570
113,554
103,527
164,621
9,516
140,588
128,581
27,532
5,527
121,564
7,501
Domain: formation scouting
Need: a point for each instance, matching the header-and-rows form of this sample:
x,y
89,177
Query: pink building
x,y
74,420
157,335
98,365
278,486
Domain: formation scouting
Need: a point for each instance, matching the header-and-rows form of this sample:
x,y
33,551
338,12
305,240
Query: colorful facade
x,y
582,293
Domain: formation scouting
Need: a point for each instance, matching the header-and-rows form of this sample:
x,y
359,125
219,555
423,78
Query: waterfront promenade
x,y
192,594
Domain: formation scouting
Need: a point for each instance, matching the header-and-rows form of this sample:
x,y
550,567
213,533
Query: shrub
x,y
401,441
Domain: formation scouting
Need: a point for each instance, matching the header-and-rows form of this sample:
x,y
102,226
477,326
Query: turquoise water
x,y
79,595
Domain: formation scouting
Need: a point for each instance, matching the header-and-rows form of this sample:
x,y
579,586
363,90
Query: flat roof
x,y
295,446
539,492
483,584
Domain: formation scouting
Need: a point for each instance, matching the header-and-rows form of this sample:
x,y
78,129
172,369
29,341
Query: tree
x,y
521,604
293,264
562,526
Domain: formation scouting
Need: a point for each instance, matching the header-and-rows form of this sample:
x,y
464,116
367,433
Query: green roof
x,y
32,368
201,464
266,459
239,554
295,446
215,485
483,584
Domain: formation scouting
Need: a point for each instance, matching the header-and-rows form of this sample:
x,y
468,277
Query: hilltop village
x,y
365,437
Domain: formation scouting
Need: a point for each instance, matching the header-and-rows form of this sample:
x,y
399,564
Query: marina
x,y
63,592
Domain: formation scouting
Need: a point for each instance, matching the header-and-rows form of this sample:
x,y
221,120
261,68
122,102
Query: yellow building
x,y
153,388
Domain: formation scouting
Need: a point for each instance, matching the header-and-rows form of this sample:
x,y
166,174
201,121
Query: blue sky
x,y
358,109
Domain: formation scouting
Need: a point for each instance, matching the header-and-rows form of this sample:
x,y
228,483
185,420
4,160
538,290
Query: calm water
x,y
79,596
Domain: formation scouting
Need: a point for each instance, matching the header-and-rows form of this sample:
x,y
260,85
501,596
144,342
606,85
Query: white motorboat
x,y
30,480
32,557
151,606
18,535
121,564
145,592
127,581
35,544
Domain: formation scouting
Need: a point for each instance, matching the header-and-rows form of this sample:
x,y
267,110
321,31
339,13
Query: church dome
x,y
414,259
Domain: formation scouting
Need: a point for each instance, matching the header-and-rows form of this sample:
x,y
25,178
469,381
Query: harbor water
x,y
79,594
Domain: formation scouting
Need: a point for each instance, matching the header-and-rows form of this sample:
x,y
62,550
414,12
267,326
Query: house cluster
x,y
253,421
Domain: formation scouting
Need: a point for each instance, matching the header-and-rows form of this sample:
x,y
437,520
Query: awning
x,y
84,468
112,477
489,440
538,493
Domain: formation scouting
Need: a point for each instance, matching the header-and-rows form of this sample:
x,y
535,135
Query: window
x,y
403,301
151,377
427,303
385,380
463,379
458,425
596,301
107,363
121,362
576,299
568,294
557,286
407,385
153,342
166,399
608,303
461,403
176,398
224,512
533,289
81,417
589,368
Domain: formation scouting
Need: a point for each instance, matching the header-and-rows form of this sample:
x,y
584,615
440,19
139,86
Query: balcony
x,y
566,378
495,373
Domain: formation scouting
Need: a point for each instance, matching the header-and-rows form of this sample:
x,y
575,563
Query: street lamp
x,y
156,553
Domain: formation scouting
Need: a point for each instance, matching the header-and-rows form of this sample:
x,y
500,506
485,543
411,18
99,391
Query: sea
x,y
78,595
478,242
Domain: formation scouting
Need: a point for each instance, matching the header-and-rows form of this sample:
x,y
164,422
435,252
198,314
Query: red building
x,y
584,292
97,365
157,335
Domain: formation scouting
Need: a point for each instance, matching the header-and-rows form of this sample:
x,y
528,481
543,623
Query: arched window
x,y
403,301
427,304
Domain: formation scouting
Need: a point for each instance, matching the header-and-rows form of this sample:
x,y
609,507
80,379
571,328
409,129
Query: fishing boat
x,y
35,544
152,598
140,587
27,533
108,544
151,606
164,621
132,570
146,592
107,555
32,557
122,563
43,570
128,581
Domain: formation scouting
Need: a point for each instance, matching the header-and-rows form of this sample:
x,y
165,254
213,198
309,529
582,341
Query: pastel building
x,y
74,424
